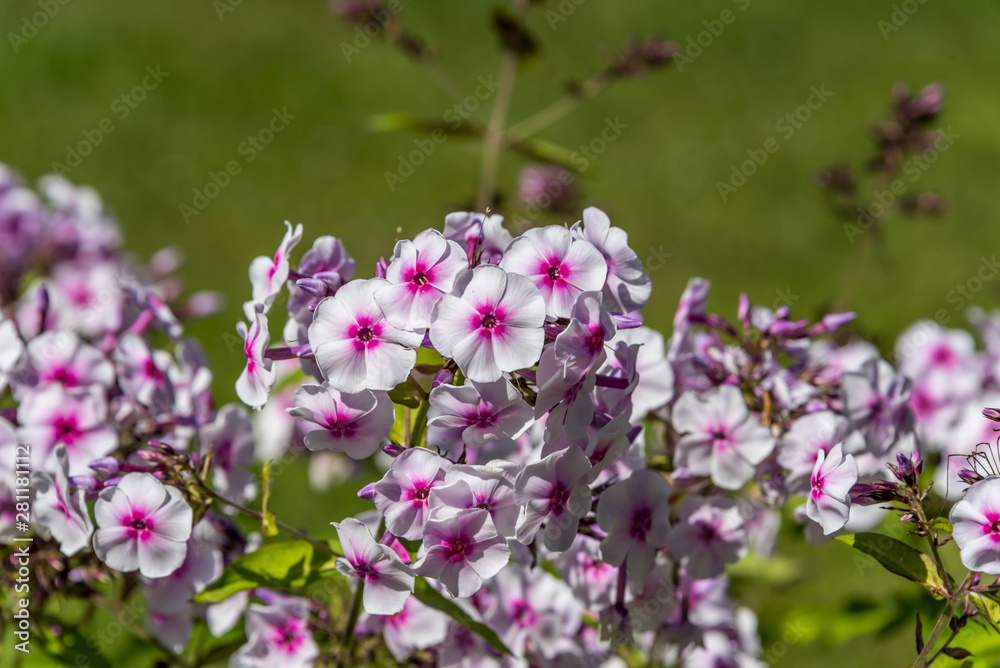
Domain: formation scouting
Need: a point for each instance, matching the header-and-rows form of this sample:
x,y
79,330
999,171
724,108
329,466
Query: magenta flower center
x,y
558,498
420,279
489,321
139,524
553,273
420,493
642,522
458,549
66,429
365,334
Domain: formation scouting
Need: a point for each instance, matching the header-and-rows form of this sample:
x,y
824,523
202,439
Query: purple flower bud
x,y
992,414
443,377
743,311
380,268
367,492
870,493
969,477
166,261
546,188
834,321
628,320
787,328
313,286
107,466
906,469
85,482
393,449
203,303
909,518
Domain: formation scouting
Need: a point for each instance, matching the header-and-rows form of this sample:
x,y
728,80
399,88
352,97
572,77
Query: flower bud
x,y
367,492
870,493
393,449
85,482
992,414
628,320
969,477
107,466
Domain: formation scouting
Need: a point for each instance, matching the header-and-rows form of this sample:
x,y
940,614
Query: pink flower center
x,y
558,498
421,493
420,279
287,638
66,429
365,334
642,522
942,356
553,273
458,549
488,321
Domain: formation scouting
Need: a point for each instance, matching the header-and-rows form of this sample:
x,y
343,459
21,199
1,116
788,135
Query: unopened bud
x,y
992,414
367,492
393,449
108,466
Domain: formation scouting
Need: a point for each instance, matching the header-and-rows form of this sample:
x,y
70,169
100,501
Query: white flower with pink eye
x,y
491,323
62,511
489,487
387,581
402,493
11,348
413,628
351,423
635,513
230,439
709,534
829,500
627,287
255,382
976,526
581,345
267,275
355,346
553,490
52,415
461,551
278,636
143,372
719,436
142,525
484,411
419,273
559,265
60,357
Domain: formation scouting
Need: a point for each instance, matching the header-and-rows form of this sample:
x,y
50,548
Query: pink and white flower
x,y
419,273
60,510
143,372
11,348
491,324
627,287
484,411
351,423
255,382
635,514
387,581
719,436
976,526
278,636
474,230
230,439
355,346
581,346
142,525
553,490
487,486
709,534
829,500
402,493
267,275
60,357
462,551
52,415
413,628
559,265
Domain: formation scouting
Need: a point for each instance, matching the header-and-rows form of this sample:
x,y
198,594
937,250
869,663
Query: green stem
x,y
557,110
347,655
494,138
925,657
260,518
419,424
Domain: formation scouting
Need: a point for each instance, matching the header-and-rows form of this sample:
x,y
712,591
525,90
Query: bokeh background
x,y
230,63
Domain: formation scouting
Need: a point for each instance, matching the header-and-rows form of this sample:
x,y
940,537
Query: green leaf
x,y
990,608
283,565
899,558
432,598
941,523
69,647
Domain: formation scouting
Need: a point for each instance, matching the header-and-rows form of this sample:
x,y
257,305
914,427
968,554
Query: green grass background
x,y
658,180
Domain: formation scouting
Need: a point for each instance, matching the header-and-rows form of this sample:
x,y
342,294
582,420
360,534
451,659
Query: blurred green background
x,y
772,238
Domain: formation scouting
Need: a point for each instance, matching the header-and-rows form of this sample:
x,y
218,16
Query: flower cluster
x,y
99,384
530,418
